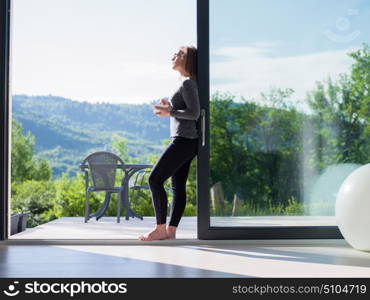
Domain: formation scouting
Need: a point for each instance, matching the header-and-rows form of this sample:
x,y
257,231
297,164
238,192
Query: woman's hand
x,y
162,110
164,101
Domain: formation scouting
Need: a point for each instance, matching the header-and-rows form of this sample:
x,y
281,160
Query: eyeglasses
x,y
180,54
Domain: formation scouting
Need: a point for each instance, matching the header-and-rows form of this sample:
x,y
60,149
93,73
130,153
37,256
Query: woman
x,y
183,110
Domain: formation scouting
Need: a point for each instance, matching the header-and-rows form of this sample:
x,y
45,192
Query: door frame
x,y
5,19
205,230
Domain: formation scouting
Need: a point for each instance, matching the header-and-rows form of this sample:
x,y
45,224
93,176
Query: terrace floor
x,y
108,228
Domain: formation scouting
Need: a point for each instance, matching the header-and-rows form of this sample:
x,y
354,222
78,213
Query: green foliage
x,y
342,114
270,154
119,144
190,210
294,208
141,202
31,186
71,196
38,197
24,164
258,146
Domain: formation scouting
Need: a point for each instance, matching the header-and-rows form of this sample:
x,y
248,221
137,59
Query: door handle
x,y
203,126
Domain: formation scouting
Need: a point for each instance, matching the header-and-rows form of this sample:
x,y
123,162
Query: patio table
x,y
129,170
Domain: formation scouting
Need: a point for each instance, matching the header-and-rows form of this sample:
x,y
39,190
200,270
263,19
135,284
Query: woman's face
x,y
179,60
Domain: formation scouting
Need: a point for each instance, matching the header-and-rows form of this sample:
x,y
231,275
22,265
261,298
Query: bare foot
x,y
171,232
158,233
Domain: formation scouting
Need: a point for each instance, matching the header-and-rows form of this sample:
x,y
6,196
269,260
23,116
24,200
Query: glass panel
x,y
289,113
85,75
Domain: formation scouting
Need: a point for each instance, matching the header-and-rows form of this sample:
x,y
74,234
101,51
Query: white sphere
x,y
352,208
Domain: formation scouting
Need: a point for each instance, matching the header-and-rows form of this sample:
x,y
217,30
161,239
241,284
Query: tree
x,y
255,148
24,164
341,114
119,145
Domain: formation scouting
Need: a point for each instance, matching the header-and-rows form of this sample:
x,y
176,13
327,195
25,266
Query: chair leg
x,y
127,209
100,213
119,200
134,214
87,206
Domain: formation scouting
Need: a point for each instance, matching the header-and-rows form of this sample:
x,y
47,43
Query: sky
x,y
120,51
99,51
265,44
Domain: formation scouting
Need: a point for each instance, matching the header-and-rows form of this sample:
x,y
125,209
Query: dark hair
x,y
191,65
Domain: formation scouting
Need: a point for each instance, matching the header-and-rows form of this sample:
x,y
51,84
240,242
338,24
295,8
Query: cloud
x,y
248,71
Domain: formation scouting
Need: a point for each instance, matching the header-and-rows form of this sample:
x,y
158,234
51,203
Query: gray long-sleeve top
x,y
185,110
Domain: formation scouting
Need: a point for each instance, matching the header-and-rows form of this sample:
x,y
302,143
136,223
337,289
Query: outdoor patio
x,y
108,228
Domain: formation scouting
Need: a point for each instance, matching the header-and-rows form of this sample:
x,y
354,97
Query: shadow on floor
x,y
50,261
294,256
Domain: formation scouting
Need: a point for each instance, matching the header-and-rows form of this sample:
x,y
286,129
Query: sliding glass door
x,y
286,119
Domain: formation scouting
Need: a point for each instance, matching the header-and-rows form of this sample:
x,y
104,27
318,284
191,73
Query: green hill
x,y
67,130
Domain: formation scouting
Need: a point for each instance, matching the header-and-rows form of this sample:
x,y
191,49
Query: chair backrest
x,y
103,167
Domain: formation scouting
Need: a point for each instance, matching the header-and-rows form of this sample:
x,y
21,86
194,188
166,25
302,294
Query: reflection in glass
x,y
289,108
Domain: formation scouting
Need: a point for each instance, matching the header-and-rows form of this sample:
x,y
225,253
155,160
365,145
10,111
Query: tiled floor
x,y
310,258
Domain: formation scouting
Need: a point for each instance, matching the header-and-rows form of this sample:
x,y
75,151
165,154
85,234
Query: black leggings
x,y
175,163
